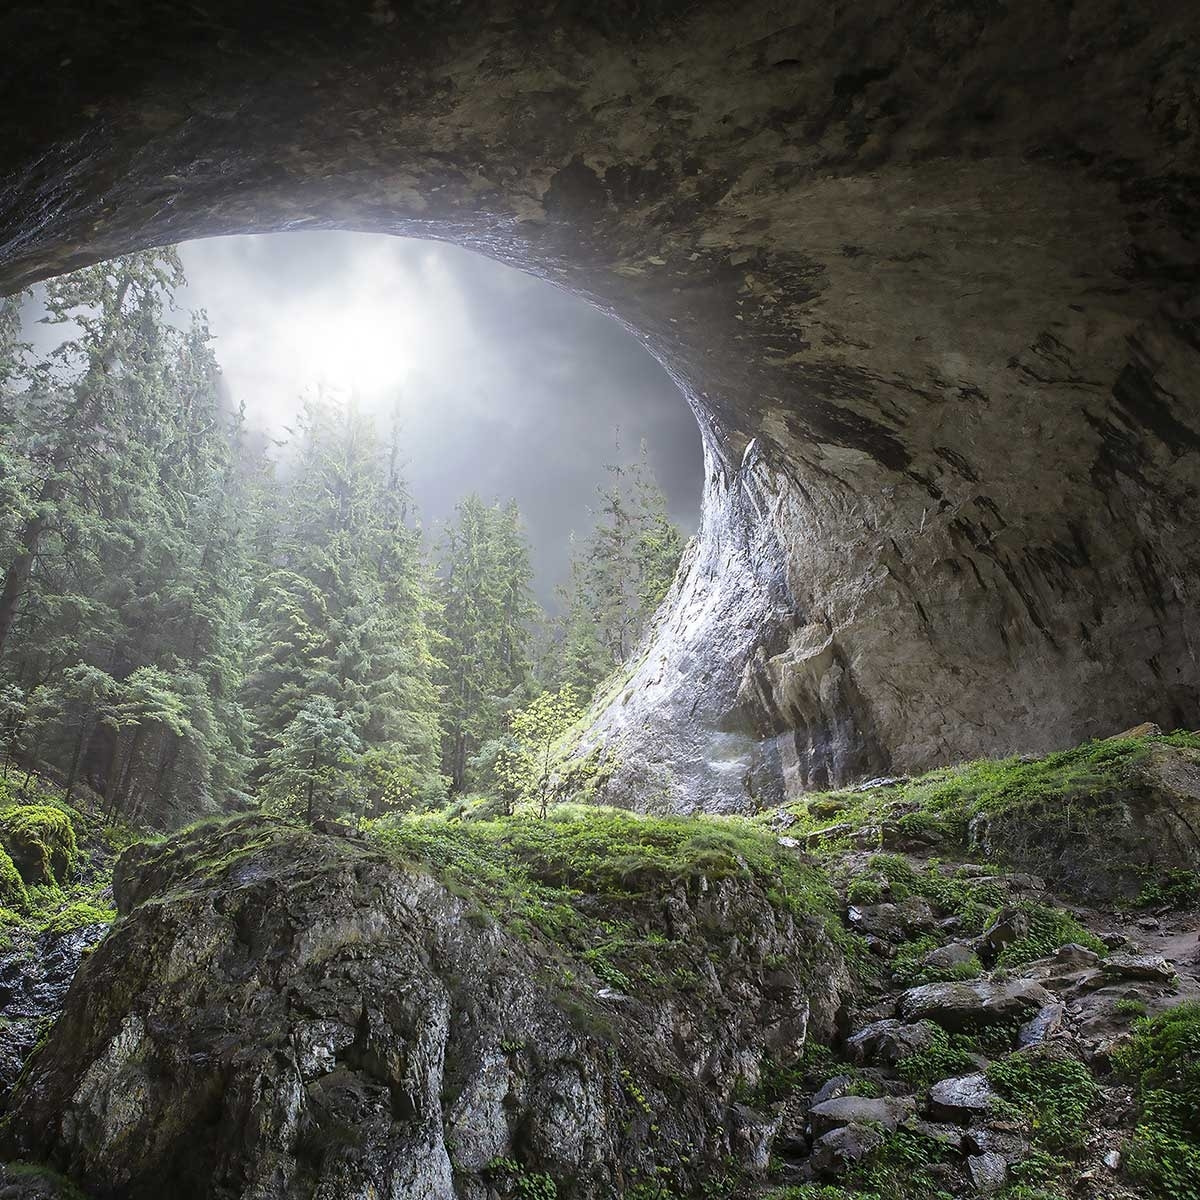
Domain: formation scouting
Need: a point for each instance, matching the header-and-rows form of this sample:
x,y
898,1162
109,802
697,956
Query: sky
x,y
506,385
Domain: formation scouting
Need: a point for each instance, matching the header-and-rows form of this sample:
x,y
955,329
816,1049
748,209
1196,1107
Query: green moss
x,y
1080,789
1162,1060
40,838
581,877
12,886
79,915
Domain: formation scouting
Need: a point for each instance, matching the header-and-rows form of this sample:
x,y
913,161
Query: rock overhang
x,y
927,276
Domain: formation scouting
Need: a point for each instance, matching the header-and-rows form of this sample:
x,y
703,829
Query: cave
x,y
925,272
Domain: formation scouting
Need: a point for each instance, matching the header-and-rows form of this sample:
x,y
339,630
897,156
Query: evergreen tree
x,y
120,559
487,609
311,767
619,576
345,610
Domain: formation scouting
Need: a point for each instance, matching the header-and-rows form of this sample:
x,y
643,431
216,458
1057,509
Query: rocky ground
x,y
911,990
935,1063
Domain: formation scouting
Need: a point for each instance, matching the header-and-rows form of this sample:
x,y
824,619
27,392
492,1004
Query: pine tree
x,y
121,561
619,576
345,612
487,610
312,764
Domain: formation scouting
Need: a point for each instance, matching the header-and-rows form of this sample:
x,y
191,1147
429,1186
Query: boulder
x,y
279,1004
1010,926
840,1148
951,957
894,922
989,1173
1003,1142
1152,968
972,1004
832,1089
886,1042
21,1181
888,1112
961,1098
1075,955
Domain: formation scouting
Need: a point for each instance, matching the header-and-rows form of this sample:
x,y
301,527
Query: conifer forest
x,y
195,619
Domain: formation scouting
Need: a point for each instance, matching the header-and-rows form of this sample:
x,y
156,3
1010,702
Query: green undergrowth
x,y
1053,1092
1162,1061
972,901
1049,928
946,1055
65,853
22,1175
1081,784
584,877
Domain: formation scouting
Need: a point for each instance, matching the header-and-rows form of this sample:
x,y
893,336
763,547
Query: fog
x,y
505,384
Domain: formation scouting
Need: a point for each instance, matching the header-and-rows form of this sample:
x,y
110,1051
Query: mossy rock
x,y
40,840
12,886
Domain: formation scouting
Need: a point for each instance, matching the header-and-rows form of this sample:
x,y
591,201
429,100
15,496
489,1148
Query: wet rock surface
x,y
33,988
286,1014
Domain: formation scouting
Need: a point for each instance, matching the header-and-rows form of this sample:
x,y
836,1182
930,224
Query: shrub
x,y
1049,928
864,891
1052,1091
1162,1059
942,1058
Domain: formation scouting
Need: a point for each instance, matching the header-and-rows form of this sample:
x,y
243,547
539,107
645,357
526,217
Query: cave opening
x,y
524,475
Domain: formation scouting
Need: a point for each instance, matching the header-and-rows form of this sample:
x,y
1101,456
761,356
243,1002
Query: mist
x,y
503,384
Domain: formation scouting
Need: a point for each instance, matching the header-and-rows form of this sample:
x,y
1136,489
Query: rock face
x,y
926,275
1143,824
33,986
282,1014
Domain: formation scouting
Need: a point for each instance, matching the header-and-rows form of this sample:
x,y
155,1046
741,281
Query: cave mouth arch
x,y
928,277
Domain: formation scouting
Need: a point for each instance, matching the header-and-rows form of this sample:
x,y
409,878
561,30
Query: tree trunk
x,y
312,784
16,578
73,774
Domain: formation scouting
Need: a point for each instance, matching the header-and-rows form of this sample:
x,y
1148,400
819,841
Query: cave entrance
x,y
929,283
382,487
